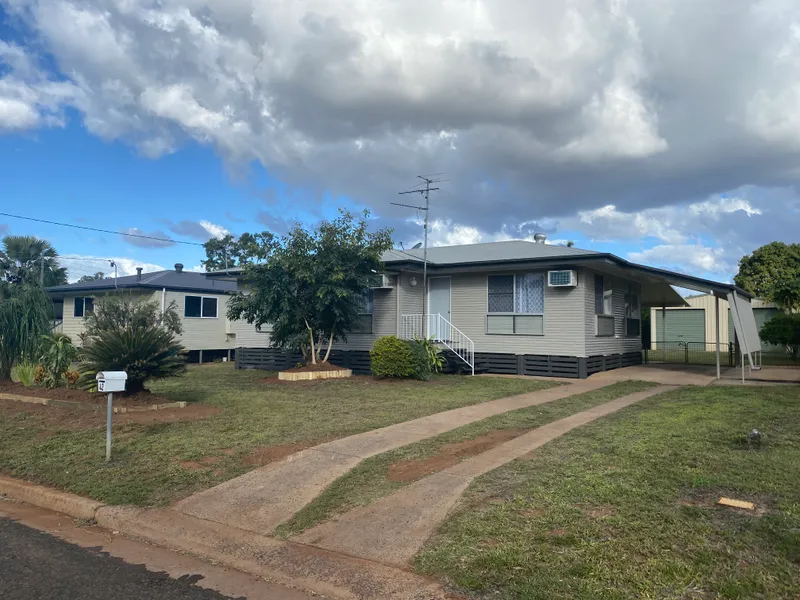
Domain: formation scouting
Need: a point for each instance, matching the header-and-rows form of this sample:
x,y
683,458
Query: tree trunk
x,y
313,350
330,343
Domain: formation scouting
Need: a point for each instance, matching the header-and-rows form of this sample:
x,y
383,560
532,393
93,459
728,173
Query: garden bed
x,y
140,399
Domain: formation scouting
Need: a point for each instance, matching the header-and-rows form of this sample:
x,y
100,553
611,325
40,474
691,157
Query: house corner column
x,y
716,316
583,371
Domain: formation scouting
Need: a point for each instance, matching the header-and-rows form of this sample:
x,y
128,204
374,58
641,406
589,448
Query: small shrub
x,y
58,353
39,375
393,357
24,373
436,360
131,335
72,377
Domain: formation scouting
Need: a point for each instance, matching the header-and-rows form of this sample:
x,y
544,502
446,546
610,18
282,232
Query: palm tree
x,y
28,259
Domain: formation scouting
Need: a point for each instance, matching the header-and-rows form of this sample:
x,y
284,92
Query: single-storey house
x,y
695,323
505,307
201,302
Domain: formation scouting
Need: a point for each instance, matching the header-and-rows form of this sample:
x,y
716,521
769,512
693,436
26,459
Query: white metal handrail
x,y
442,331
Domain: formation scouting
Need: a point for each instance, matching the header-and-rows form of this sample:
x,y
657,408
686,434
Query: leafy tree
x,y
786,295
229,252
131,335
97,276
783,330
24,319
23,258
311,287
770,265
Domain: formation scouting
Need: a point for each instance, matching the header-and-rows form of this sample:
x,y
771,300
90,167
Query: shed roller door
x,y
688,325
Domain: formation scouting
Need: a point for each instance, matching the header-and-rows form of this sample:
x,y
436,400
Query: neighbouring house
x,y
201,301
695,324
504,307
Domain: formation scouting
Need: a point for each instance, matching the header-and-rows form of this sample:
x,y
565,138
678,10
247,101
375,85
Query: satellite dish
x,y
417,246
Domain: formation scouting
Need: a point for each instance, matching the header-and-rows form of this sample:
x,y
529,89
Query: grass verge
x,y
370,480
158,463
626,507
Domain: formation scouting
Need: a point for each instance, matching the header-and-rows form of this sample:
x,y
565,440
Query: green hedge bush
x,y
403,359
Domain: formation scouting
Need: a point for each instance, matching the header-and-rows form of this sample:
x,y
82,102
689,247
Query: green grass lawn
x,y
147,460
369,481
625,507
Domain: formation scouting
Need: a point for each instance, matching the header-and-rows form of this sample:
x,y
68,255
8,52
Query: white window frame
x,y
608,308
369,291
513,313
202,304
83,306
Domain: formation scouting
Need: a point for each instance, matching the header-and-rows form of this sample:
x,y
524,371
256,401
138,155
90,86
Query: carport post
x,y
664,328
716,315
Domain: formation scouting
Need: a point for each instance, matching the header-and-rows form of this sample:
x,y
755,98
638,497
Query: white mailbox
x,y
111,381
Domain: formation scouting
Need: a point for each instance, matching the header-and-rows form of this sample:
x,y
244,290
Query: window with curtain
x,y
516,304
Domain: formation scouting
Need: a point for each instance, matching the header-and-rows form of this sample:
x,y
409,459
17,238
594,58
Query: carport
x,y
658,291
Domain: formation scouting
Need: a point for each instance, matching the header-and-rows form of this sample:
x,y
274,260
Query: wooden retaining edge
x,y
312,375
73,404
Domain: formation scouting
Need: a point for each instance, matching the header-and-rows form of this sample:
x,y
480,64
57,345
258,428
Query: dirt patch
x,y
449,455
199,465
51,419
73,395
556,533
263,455
600,512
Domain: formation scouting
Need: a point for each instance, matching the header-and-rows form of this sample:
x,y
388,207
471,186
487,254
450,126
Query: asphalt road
x,y
37,566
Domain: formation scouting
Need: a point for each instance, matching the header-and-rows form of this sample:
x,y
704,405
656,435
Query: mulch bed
x,y
73,395
311,368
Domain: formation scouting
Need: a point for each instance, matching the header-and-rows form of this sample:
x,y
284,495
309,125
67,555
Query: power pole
x,y
425,192
41,273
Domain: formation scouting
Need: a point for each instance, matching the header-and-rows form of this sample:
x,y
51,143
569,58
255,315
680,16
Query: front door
x,y
438,304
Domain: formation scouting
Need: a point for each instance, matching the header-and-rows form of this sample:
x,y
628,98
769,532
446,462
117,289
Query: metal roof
x,y
520,251
172,280
514,250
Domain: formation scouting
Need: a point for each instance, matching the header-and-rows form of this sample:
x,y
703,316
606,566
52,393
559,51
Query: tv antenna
x,y
425,191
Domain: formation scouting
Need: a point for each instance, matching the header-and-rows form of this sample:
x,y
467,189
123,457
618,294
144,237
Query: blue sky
x,y
593,123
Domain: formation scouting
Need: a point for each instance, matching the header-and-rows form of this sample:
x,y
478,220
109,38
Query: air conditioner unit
x,y
380,282
562,278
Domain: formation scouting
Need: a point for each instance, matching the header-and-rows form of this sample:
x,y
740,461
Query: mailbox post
x,y
110,381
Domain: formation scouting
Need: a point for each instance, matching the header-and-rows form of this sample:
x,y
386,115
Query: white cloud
x,y
691,258
79,264
215,231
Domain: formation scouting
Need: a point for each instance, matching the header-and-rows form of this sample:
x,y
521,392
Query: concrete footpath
x,y
393,529
260,500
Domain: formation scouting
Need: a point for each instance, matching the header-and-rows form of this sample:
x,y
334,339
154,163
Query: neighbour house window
x,y
364,321
200,307
84,305
515,304
633,313
603,306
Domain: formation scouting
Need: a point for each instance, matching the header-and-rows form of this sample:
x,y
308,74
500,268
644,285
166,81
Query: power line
x,y
135,235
